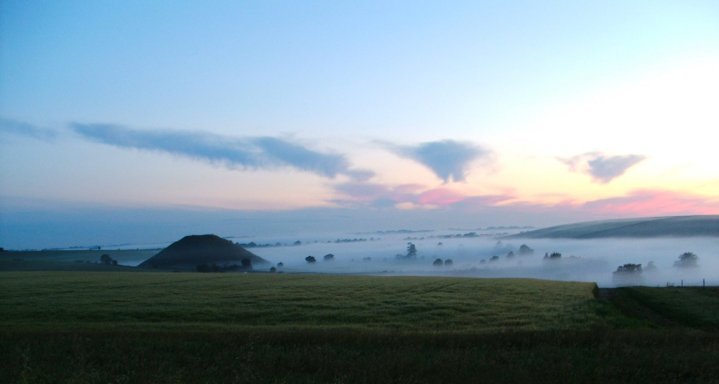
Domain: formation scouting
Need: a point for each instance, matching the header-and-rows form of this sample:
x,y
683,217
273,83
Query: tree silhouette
x,y
107,260
411,251
524,249
687,260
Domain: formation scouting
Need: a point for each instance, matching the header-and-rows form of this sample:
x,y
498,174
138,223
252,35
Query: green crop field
x,y
239,301
101,327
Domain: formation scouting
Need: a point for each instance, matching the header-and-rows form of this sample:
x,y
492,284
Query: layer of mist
x,y
594,260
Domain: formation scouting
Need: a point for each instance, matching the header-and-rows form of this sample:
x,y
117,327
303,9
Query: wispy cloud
x,y
363,194
367,194
448,159
600,167
251,153
20,128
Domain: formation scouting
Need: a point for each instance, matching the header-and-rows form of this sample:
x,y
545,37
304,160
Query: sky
x,y
123,121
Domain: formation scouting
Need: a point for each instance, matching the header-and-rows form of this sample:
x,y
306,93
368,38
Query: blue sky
x,y
578,110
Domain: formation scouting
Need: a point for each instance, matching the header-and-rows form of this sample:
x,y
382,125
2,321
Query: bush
x,y
687,260
329,257
438,263
448,262
310,259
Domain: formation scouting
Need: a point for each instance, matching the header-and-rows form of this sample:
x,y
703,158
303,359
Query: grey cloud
x,y
253,153
448,159
363,194
601,168
328,165
15,127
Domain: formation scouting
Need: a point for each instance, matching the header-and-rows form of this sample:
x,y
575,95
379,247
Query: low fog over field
x,y
478,255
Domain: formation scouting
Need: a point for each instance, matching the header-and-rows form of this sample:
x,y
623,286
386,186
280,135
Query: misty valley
x,y
613,300
480,254
594,260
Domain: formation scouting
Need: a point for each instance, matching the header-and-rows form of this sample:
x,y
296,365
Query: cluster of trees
x,y
685,260
552,256
277,268
328,257
629,268
245,265
355,240
459,236
252,244
439,262
524,250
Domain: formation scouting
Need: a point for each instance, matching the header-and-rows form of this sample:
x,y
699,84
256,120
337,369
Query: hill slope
x,y
676,226
194,250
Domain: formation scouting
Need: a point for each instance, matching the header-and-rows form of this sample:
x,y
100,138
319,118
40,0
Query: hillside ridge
x,y
667,226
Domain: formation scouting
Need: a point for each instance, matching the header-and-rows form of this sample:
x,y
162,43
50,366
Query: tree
x,y
448,262
310,259
629,268
628,274
246,264
329,257
106,259
411,251
273,269
438,263
687,260
524,249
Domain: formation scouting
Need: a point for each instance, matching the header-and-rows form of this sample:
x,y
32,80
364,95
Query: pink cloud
x,y
440,197
374,194
636,203
655,203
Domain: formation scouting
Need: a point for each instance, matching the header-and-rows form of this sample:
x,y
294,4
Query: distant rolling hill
x,y
675,226
192,251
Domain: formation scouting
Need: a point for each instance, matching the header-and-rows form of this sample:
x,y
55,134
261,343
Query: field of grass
x,y
82,300
104,327
673,307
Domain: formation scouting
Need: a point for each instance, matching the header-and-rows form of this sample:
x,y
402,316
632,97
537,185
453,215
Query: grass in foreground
x,y
152,301
221,328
